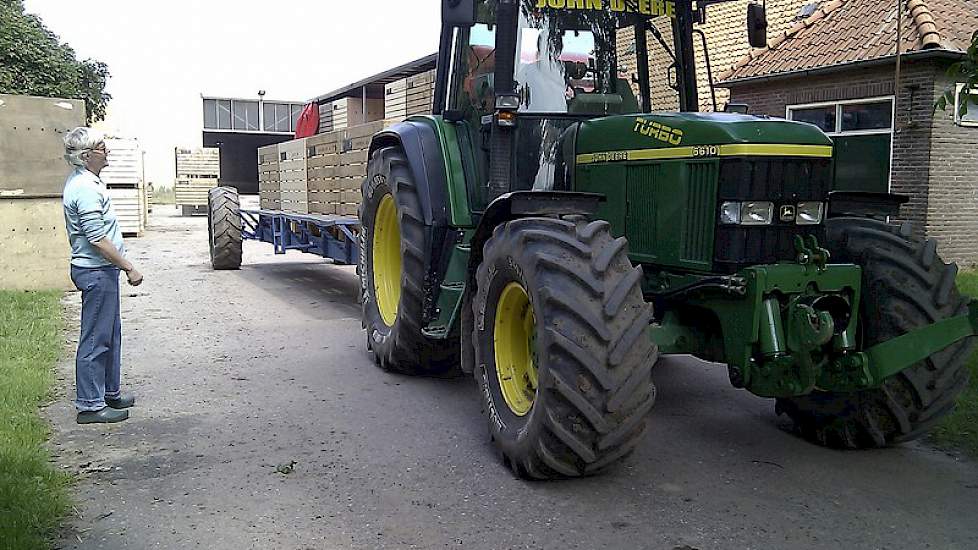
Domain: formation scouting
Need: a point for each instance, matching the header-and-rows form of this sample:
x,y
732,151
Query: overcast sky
x,y
164,55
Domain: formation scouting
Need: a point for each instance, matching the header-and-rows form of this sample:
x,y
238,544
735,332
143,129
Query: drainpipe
x,y
896,79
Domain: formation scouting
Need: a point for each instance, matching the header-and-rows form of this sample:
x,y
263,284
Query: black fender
x,y
507,207
422,147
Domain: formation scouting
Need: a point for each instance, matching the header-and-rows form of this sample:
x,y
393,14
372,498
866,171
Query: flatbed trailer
x,y
330,236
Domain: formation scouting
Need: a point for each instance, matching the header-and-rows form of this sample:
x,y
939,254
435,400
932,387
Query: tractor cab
x,y
519,74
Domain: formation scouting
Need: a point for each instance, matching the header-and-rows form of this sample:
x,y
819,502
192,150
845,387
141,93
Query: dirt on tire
x,y
401,347
594,357
224,227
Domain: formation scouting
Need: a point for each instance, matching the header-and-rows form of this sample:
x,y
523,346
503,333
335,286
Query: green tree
x,y
34,62
963,72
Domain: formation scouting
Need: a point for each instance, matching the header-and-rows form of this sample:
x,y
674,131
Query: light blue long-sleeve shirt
x,y
89,218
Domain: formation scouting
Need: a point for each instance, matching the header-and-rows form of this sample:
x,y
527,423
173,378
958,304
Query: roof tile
x,y
847,31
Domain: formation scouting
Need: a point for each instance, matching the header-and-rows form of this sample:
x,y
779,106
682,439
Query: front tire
x,y
224,228
905,285
563,357
393,243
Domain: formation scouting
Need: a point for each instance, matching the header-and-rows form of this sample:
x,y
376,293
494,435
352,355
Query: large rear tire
x,y
905,285
563,357
393,243
224,227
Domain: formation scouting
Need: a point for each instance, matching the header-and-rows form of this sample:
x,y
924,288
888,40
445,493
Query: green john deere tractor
x,y
549,233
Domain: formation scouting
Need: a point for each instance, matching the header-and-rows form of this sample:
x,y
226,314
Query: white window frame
x,y
261,115
838,122
276,106
957,104
838,115
247,120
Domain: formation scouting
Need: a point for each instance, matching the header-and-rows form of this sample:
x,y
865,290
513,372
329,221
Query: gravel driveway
x,y
239,374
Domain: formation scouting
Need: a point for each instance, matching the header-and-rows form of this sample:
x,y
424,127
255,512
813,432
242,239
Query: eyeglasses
x,y
101,149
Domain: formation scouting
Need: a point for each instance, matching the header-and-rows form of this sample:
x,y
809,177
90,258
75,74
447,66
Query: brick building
x,y
837,69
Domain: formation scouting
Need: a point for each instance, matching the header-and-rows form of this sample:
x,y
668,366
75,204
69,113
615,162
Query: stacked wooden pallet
x,y
129,205
409,96
269,190
292,176
325,118
354,111
336,167
395,100
123,177
321,168
420,93
198,170
321,174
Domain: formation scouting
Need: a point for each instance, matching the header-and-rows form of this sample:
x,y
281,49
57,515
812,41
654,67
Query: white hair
x,y
79,142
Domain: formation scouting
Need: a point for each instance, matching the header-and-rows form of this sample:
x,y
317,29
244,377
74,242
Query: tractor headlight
x,y
756,213
730,213
810,213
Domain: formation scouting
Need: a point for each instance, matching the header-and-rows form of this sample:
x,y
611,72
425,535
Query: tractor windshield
x,y
568,63
567,60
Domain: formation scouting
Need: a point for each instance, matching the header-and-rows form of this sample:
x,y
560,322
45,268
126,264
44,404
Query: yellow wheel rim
x,y
513,341
387,260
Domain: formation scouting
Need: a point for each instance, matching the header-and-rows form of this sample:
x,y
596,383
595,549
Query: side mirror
x,y
756,26
458,13
739,108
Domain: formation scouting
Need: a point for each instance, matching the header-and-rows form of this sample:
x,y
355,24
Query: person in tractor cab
x,y
544,86
97,255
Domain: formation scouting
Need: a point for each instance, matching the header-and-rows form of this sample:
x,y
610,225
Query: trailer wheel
x,y
393,244
905,285
563,357
224,227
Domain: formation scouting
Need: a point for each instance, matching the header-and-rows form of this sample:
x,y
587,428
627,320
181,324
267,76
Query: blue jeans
x,y
98,362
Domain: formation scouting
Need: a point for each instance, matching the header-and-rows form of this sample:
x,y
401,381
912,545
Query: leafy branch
x,y
964,73
34,62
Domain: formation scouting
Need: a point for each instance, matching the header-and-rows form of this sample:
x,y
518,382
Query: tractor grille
x,y
780,180
697,238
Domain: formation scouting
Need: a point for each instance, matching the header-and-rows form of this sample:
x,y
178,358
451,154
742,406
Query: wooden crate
x,y
325,117
353,111
269,186
419,94
193,191
125,168
395,100
322,207
336,165
198,162
292,176
128,202
197,170
268,154
266,203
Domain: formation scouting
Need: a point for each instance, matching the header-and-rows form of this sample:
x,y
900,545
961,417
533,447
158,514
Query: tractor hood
x,y
686,135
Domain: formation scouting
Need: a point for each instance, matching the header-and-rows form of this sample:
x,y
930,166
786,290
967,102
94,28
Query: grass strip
x,y
33,492
960,429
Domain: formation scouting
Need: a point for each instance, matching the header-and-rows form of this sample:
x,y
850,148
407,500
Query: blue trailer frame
x,y
329,236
